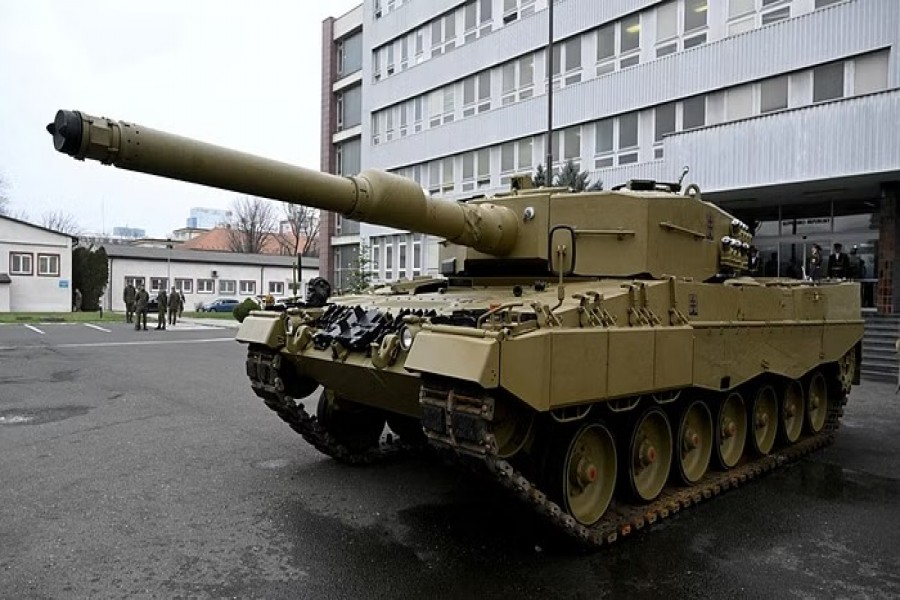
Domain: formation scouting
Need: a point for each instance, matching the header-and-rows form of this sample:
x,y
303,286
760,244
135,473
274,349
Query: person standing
x,y
77,300
180,303
815,263
141,300
161,303
174,303
838,264
128,296
754,265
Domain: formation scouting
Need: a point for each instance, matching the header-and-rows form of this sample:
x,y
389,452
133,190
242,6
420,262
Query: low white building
x,y
35,268
201,275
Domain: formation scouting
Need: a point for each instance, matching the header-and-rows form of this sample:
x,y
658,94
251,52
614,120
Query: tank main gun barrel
x,y
373,196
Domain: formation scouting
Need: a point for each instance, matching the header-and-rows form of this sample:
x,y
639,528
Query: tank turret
x,y
639,230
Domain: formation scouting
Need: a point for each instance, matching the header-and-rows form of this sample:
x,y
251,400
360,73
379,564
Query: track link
x,y
621,519
264,368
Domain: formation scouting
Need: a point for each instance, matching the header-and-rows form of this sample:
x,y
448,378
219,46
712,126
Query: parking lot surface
x,y
141,465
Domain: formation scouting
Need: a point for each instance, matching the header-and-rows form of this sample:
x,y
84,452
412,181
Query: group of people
x,y
137,304
840,265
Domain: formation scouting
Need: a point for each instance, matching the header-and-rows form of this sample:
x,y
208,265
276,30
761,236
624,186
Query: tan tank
x,y
599,353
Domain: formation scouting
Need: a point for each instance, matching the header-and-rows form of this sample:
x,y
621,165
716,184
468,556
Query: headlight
x,y
406,338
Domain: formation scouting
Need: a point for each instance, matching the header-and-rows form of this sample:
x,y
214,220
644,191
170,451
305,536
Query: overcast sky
x,y
235,73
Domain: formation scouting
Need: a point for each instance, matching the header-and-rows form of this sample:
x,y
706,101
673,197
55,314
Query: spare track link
x,y
621,519
263,369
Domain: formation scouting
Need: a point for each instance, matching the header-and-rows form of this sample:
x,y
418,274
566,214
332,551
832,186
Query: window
x,y
376,64
417,255
516,156
695,12
349,53
630,41
824,3
227,286
773,94
694,113
443,34
48,265
517,80
20,263
567,143
401,247
739,102
828,82
664,123
476,169
477,89
477,18
871,73
248,287
206,286
376,128
606,49
776,15
185,286
349,108
347,157
276,288
159,283
616,141
375,256
567,54
389,259
135,281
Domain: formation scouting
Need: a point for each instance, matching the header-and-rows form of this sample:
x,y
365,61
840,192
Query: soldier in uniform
x,y
128,296
174,303
162,303
141,300
838,263
180,303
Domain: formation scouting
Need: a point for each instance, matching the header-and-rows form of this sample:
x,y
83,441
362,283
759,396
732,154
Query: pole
x,y
550,93
169,264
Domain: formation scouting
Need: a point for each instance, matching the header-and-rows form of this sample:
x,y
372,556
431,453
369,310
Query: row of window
x,y
617,140
246,287
680,24
390,259
383,7
23,263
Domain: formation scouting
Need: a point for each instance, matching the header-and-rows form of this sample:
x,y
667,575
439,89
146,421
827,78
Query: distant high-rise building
x,y
207,218
129,232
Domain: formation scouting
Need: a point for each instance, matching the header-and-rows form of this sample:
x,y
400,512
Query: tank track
x,y
264,370
472,412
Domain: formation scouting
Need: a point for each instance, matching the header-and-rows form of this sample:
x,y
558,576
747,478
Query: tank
x,y
601,355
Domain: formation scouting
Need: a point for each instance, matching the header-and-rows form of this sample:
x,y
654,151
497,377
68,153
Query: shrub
x,y
243,309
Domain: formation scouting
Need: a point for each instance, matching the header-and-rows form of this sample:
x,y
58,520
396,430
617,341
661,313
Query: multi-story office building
x,y
208,218
786,111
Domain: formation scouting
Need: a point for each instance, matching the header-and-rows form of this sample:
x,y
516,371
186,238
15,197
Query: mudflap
x,y
263,327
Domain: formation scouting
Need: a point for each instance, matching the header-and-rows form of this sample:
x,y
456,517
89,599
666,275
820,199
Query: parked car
x,y
220,305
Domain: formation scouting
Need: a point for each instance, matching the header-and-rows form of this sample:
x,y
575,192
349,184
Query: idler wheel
x,y
512,426
694,442
731,431
764,420
816,403
356,426
649,456
792,412
581,471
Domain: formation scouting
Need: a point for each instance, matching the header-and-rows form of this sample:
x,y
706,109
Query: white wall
x,y
34,293
120,268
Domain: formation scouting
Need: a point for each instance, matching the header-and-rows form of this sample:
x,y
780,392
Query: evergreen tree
x,y
540,177
570,177
361,275
90,272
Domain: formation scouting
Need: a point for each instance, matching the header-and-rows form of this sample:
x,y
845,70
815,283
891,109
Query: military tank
x,y
599,353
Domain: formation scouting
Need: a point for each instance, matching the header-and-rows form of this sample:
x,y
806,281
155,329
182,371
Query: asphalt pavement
x,y
141,465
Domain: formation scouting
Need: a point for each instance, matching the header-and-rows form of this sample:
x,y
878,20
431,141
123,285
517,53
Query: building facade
x,y
207,218
785,112
35,268
201,276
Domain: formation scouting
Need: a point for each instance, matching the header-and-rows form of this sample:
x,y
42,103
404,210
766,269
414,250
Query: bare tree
x,y
4,199
302,236
252,224
60,221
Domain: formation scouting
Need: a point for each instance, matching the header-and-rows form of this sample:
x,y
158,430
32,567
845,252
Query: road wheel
x,y
694,442
649,456
581,471
731,431
763,420
792,412
356,426
816,403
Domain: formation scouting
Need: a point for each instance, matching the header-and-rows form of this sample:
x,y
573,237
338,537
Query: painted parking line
x,y
97,327
114,344
35,329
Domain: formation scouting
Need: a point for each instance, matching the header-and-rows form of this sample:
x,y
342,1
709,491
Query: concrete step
x,y
869,376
